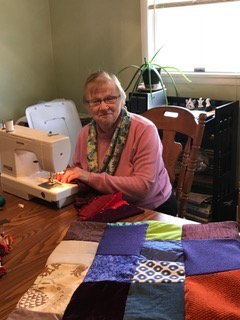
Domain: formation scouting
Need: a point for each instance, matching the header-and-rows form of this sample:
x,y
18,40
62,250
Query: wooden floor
x,y
37,227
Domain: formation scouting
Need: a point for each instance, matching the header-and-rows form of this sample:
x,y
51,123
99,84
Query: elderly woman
x,y
119,151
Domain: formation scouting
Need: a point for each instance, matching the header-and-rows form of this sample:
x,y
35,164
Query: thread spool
x,y
2,202
9,126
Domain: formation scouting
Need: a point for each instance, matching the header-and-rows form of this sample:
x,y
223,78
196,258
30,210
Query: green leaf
x,y
137,77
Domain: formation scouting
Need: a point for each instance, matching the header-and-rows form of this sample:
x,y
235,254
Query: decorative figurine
x,y
190,104
208,105
200,103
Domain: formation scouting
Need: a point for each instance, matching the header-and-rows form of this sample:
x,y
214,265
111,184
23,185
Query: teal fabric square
x,y
155,301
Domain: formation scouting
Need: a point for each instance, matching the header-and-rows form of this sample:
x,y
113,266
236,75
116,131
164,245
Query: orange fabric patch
x,y
213,296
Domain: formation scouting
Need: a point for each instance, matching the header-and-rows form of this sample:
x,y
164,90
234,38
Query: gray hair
x,y
94,78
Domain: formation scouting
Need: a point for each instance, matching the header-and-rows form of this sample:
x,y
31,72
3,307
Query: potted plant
x,y
149,73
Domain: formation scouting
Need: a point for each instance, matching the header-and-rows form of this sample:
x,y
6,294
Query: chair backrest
x,y
181,133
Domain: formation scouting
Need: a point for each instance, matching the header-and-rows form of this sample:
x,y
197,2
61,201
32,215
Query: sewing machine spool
x,y
2,202
9,126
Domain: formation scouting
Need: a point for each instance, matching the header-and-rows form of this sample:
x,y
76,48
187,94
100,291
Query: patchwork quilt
x,y
139,270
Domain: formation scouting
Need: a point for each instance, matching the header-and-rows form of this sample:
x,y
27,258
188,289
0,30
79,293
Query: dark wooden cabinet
x,y
220,141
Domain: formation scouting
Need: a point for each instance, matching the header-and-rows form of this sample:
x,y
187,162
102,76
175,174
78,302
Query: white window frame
x,y
197,77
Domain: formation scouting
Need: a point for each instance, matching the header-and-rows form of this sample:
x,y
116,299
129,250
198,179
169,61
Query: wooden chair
x,y
181,134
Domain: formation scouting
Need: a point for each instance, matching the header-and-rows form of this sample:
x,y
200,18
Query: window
x,y
194,35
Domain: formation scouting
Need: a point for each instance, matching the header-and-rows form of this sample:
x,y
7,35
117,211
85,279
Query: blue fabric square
x,y
122,240
155,301
163,250
112,268
212,255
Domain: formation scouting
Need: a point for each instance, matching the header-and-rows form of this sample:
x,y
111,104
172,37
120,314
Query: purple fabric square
x,y
223,229
100,300
122,240
86,231
210,256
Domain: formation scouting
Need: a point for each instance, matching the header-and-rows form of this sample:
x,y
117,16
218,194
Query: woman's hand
x,y
71,174
68,175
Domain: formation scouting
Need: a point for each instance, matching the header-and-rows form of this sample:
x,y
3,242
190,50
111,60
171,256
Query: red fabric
x,y
100,204
213,296
112,215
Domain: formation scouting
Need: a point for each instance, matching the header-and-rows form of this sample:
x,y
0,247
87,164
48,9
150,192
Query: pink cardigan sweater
x,y
141,175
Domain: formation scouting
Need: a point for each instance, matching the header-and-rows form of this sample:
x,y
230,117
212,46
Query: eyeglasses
x,y
110,100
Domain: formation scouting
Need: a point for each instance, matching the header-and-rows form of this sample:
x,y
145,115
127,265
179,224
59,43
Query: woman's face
x,y
105,113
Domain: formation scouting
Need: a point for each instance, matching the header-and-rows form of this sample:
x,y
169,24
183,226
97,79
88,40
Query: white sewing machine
x,y
29,158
